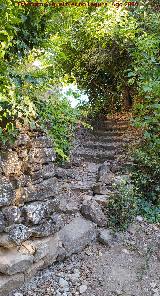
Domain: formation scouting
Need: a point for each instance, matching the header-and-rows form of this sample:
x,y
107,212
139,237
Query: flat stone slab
x,y
9,283
12,261
76,235
19,267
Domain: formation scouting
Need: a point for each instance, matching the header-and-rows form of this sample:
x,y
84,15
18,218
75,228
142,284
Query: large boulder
x,y
76,235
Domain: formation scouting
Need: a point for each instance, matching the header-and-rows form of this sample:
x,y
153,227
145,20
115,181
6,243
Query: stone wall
x,y
28,189
40,203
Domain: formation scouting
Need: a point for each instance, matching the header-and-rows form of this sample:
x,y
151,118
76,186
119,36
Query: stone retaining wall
x,y
28,189
39,219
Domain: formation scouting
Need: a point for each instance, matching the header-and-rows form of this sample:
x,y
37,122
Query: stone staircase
x,y
84,188
105,142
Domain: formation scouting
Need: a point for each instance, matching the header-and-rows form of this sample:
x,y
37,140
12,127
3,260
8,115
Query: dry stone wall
x,y
28,189
40,221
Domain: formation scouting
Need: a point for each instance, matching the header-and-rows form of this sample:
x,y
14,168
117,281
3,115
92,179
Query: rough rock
x,y
48,188
12,214
41,155
23,139
45,229
105,236
35,212
76,235
60,173
6,192
133,228
139,219
103,170
12,262
2,222
101,199
8,283
5,241
100,188
42,142
57,221
82,289
92,211
18,233
23,180
27,248
107,178
36,176
63,283
121,179
11,165
48,171
68,205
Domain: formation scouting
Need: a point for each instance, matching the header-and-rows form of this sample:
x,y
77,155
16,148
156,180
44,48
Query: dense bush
x,y
122,207
146,69
59,120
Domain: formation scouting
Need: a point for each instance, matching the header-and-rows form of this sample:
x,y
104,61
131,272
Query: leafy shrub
x,y
59,120
146,174
122,207
149,211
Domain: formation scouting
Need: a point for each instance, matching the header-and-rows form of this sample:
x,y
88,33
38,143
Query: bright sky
x,y
71,98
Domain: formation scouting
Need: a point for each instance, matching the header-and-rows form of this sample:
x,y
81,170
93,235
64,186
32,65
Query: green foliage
x,y
146,68
28,72
122,207
98,53
149,211
59,120
146,173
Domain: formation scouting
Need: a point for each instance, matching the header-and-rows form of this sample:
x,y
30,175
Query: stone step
x,y
107,133
105,139
93,159
102,146
82,186
110,128
93,153
110,122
